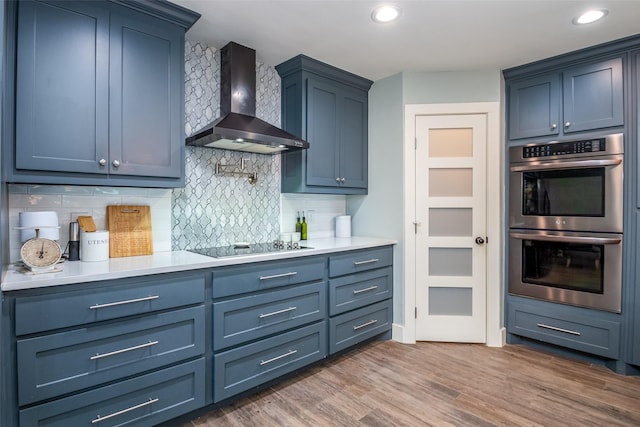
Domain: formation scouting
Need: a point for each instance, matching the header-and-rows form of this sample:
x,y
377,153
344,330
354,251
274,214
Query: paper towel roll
x,y
39,219
343,226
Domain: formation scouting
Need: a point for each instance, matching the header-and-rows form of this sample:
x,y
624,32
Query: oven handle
x,y
567,239
566,165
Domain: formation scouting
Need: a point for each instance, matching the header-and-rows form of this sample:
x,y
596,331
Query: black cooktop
x,y
250,249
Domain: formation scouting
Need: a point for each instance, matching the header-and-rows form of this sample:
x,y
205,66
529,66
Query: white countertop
x,y
168,262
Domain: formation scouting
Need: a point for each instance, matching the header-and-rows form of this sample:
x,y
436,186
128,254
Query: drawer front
x,y
144,295
142,401
595,336
356,326
66,362
246,367
357,290
267,275
354,262
244,319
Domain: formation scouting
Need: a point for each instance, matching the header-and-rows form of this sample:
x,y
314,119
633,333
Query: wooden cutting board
x,y
129,230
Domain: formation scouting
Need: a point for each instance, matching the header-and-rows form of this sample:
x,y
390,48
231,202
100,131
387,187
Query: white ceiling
x,y
431,35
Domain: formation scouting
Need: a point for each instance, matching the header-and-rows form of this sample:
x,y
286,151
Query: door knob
x,y
480,241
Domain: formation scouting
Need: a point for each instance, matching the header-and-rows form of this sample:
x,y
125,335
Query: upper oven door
x,y
582,193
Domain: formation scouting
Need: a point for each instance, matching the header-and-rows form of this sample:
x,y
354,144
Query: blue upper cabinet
x,y
327,107
582,98
99,94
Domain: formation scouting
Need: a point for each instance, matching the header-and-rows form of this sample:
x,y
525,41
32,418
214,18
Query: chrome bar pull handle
x,y
273,359
369,261
364,325
277,276
554,328
124,350
262,316
370,288
124,411
129,301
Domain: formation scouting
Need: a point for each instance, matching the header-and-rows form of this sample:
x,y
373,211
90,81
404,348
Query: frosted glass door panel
x,y
451,142
450,222
450,262
450,302
455,182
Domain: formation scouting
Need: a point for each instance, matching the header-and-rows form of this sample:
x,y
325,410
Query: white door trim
x,y
495,214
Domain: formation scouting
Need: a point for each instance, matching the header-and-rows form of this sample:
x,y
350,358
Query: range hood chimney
x,y
238,128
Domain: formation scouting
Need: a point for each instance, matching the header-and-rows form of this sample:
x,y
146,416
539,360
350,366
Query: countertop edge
x,y
74,272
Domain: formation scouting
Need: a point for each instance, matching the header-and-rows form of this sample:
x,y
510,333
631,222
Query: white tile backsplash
x,y
320,212
71,201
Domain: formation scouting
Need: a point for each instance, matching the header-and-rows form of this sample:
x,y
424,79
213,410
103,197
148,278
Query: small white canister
x,y
343,226
94,246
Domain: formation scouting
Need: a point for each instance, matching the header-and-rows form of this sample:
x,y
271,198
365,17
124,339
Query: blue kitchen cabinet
x,y
585,330
327,107
576,99
360,291
99,94
129,350
268,319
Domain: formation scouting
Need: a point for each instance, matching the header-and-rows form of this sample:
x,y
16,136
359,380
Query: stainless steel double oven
x,y
566,221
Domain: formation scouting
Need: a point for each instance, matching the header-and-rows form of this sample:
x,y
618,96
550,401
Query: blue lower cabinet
x,y
252,317
358,290
245,367
355,326
145,400
560,325
69,361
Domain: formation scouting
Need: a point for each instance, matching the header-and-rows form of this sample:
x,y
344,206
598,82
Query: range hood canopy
x,y
238,128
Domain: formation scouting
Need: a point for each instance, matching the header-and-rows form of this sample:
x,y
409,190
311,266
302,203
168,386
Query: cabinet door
x,y
534,107
353,140
592,96
322,134
62,86
145,96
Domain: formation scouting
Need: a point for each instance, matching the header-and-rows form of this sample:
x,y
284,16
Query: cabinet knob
x,y
115,163
102,162
567,124
338,179
341,180
554,126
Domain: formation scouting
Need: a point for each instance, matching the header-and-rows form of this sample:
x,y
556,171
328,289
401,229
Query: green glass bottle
x,y
298,223
303,228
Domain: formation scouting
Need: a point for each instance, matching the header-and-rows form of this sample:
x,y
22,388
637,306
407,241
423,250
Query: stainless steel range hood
x,y
238,128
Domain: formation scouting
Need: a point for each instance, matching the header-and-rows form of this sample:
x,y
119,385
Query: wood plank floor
x,y
386,383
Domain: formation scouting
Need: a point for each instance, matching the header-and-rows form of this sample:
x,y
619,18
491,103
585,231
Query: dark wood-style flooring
x,y
386,383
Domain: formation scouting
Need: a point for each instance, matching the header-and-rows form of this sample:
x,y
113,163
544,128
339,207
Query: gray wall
x,y
381,213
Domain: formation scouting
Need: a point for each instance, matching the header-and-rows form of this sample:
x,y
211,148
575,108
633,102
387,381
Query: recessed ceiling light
x,y
590,16
384,14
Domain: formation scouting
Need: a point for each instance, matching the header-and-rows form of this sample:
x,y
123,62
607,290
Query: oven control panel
x,y
561,148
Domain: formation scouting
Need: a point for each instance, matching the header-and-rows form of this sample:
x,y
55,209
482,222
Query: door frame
x,y
495,215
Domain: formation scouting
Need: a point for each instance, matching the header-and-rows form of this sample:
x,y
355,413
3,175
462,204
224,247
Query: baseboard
x,y
398,334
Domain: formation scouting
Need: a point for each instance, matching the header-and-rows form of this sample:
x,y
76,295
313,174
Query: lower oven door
x,y
582,269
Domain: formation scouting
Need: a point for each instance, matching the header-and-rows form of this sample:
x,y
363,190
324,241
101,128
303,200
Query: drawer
x,y
358,325
246,367
52,365
142,401
357,290
266,275
255,316
354,262
587,334
118,299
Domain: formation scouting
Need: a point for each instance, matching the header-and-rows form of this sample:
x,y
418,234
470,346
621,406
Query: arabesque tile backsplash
x,y
211,210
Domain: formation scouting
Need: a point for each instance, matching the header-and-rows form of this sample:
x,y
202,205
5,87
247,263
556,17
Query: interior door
x,y
450,227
